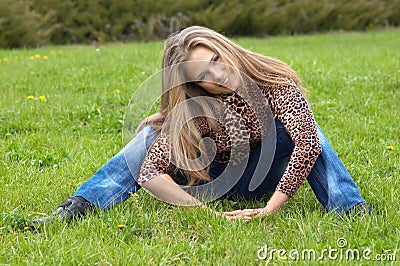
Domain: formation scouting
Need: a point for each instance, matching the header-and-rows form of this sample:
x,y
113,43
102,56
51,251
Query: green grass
x,y
48,149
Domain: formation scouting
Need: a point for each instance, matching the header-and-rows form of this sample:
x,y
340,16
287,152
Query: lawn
x,y
61,117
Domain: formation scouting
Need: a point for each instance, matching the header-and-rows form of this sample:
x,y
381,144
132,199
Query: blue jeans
x,y
329,179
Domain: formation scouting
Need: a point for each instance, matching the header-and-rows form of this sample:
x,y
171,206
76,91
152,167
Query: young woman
x,y
252,109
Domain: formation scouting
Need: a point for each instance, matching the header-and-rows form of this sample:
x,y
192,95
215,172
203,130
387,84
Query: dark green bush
x,y
21,26
36,22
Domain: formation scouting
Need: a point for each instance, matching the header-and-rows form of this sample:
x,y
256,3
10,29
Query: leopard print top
x,y
287,103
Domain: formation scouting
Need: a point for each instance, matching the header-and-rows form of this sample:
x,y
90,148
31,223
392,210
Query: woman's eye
x,y
216,58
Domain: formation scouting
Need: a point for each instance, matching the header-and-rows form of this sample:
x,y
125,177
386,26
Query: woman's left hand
x,y
275,202
246,214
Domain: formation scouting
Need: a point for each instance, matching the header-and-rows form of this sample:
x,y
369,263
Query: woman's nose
x,y
217,72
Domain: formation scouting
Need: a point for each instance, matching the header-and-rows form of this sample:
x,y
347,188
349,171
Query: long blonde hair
x,y
263,70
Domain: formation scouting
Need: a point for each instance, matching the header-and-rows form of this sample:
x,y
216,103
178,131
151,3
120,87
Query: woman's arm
x,y
295,114
164,188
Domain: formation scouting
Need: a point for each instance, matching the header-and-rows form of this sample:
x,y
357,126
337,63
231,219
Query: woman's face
x,y
207,70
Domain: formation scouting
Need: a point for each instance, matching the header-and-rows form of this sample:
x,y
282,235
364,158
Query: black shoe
x,y
362,209
73,208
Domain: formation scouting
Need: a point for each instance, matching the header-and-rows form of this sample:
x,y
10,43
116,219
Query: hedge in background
x,y
21,25
37,22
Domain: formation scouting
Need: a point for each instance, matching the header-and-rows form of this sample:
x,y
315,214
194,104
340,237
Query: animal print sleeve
x,y
291,108
157,160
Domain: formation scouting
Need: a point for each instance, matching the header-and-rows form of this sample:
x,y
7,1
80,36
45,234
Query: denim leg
x,y
329,179
331,182
115,181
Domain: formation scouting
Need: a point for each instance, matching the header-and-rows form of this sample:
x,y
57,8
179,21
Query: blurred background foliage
x,y
29,23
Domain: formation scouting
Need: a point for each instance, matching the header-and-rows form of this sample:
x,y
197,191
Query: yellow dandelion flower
x,y
390,148
5,60
121,226
117,91
37,56
42,98
52,52
30,97
45,57
16,57
32,57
